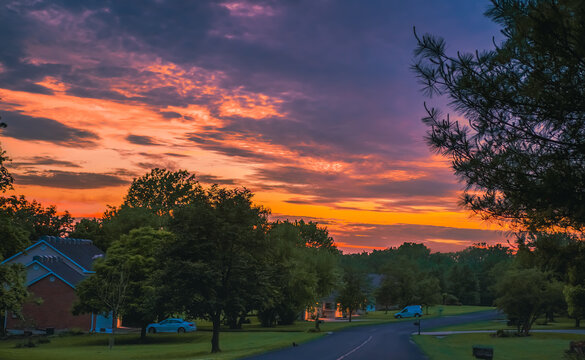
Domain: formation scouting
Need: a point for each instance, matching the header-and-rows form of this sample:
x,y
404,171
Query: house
x,y
374,280
329,308
54,266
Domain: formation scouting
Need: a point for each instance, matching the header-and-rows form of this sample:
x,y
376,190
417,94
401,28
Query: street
x,y
384,341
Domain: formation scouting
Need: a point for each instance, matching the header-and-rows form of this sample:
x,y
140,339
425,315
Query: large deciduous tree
x,y
354,291
302,271
219,250
521,148
525,294
141,248
34,218
13,291
162,190
123,283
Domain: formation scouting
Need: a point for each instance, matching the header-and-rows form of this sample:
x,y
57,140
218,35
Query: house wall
x,y
55,310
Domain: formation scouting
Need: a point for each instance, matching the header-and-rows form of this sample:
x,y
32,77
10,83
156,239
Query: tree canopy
x,y
521,148
162,190
218,255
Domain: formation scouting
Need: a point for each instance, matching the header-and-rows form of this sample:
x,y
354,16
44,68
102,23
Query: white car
x,y
172,325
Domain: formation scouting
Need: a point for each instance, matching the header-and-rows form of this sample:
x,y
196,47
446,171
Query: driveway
x,y
385,341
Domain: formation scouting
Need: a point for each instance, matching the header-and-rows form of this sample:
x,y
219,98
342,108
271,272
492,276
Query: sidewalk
x,y
445,333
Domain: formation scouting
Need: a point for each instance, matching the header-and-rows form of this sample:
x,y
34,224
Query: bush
x,y
267,317
450,299
500,333
72,332
576,351
287,316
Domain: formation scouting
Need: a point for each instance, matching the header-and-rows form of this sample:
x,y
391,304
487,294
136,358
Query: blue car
x,y
409,311
172,325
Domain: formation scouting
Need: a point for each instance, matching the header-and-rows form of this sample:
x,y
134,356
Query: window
x,y
35,267
52,279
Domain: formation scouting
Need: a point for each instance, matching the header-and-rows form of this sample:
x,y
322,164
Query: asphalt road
x,y
385,341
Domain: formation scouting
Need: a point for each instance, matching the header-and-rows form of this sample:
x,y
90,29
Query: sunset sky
x,y
309,104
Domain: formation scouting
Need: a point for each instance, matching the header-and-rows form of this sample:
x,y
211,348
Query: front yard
x,y
543,346
252,339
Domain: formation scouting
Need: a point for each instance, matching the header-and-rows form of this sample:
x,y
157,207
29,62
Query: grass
x,y
252,339
538,346
163,346
560,323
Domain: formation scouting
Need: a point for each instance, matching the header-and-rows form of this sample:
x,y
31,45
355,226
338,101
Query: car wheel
x,y
398,317
416,315
152,330
181,330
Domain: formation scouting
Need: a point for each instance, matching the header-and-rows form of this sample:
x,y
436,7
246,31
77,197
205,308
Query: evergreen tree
x,y
521,148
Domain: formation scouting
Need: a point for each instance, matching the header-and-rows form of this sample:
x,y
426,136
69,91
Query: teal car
x,y
409,311
172,325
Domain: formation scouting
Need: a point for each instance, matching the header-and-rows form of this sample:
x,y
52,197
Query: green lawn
x,y
558,324
252,339
162,346
536,347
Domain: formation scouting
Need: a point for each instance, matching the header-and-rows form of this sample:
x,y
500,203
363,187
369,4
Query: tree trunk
x,y
114,326
550,316
241,320
215,337
350,311
143,333
233,322
3,320
317,321
577,322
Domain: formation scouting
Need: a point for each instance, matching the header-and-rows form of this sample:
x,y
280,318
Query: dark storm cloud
x,y
26,127
328,186
340,67
141,140
42,160
170,115
161,164
160,155
70,180
212,179
208,143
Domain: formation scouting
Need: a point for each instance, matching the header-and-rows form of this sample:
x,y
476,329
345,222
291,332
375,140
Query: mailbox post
x,y
417,323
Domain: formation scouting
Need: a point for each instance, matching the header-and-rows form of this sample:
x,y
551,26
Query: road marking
x,y
354,350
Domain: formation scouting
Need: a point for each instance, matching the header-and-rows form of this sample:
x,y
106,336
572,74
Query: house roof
x,y
81,251
56,265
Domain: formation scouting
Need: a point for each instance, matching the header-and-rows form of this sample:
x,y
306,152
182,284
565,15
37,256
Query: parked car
x,y
171,325
409,311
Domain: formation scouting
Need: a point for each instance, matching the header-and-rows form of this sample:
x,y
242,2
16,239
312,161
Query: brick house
x,y
54,266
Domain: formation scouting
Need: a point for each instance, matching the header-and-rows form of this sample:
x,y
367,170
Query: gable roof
x,y
60,268
80,251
